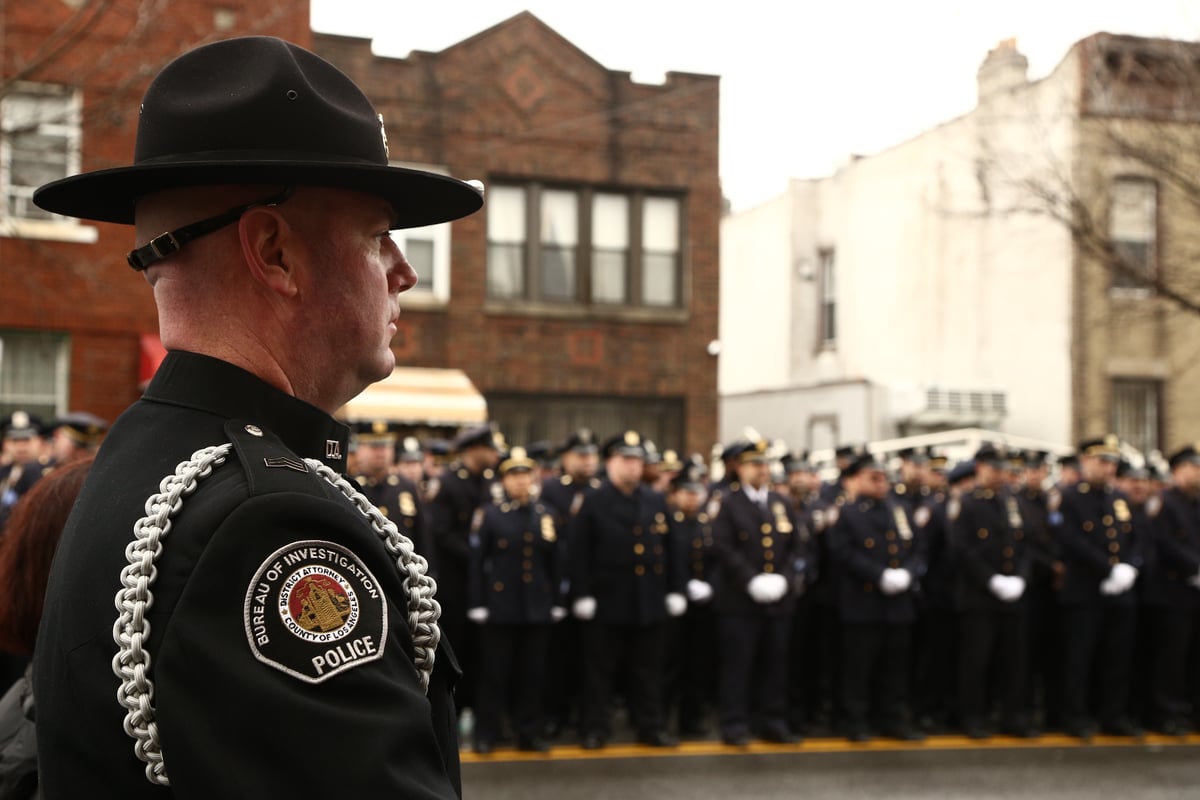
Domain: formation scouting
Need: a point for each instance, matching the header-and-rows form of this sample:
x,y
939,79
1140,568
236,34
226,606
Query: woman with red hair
x,y
26,550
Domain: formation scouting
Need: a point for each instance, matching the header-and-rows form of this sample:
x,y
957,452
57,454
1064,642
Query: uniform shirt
x,y
868,537
1176,541
750,539
989,538
1097,532
621,554
692,538
234,715
516,562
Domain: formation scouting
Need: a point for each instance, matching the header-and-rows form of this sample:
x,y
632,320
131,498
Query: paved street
x,y
822,769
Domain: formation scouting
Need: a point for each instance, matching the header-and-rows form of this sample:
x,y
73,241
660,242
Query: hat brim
x,y
420,198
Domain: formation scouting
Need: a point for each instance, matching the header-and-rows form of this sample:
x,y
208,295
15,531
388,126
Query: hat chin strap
x,y
170,242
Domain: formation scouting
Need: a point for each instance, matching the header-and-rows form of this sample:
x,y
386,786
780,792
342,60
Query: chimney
x,y
1003,69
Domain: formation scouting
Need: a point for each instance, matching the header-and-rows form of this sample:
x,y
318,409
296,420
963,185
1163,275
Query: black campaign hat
x,y
258,110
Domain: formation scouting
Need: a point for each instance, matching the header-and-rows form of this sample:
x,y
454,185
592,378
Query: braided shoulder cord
x,y
134,599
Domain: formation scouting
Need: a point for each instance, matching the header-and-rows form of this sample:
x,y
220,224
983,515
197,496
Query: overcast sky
x,y
804,83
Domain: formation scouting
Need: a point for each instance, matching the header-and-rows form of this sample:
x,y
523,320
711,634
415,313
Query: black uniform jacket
x,y
1176,536
1098,531
516,563
621,553
988,537
461,493
750,540
869,537
236,718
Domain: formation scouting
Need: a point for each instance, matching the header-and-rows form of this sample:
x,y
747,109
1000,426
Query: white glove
x,y
676,604
584,608
895,581
557,614
699,591
1007,588
1123,576
478,615
1195,580
767,588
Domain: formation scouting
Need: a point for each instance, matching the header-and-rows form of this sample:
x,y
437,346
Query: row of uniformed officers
x,y
971,597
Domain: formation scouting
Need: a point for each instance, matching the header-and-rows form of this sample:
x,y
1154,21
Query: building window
x,y
828,279
594,248
1136,412
1133,226
559,244
33,373
41,134
610,248
506,241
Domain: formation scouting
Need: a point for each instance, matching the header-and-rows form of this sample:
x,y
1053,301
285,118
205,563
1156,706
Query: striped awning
x,y
419,396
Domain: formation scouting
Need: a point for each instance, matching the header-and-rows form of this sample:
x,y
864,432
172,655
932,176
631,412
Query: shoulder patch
x,y
313,610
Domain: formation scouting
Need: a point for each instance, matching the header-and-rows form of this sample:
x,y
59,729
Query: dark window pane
x,y
659,280
506,270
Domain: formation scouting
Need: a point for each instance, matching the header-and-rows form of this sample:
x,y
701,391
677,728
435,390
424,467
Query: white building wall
x,y
940,281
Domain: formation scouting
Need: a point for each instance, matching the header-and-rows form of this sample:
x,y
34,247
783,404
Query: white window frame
x,y
58,228
61,367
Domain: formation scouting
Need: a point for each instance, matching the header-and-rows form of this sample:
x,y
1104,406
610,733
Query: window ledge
x,y
622,313
1131,293
48,230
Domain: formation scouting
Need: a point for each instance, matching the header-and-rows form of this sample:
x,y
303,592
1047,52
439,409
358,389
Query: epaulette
x,y
270,466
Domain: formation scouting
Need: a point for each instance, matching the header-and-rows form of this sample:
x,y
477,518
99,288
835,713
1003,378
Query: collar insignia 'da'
x,y
313,610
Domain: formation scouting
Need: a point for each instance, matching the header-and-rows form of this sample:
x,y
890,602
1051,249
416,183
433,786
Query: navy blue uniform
x,y
989,539
621,554
691,659
1097,533
453,507
516,572
869,537
750,540
1174,613
400,501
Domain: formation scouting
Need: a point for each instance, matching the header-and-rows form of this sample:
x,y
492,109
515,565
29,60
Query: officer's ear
x,y
264,235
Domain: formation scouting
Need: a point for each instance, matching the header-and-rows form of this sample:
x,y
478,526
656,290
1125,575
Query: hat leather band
x,y
170,242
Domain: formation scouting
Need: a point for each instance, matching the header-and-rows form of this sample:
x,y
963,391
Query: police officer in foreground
x,y
1102,557
625,579
759,544
282,622
991,575
878,563
517,562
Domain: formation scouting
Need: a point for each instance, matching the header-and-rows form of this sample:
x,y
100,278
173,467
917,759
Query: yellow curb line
x,y
830,745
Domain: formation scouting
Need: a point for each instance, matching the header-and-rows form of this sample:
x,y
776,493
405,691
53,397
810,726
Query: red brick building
x,y
585,292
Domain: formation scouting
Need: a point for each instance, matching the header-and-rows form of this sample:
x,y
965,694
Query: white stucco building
x,y
906,293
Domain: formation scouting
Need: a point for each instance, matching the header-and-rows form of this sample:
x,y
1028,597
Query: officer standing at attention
x,y
22,465
759,544
877,563
396,497
691,659
516,570
988,535
1173,597
282,618
625,580
1102,557
466,486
